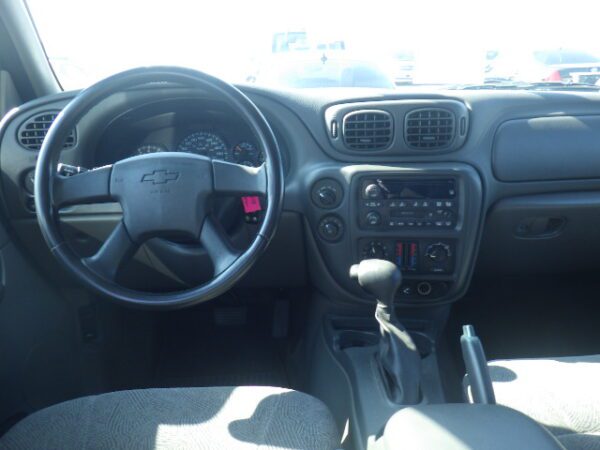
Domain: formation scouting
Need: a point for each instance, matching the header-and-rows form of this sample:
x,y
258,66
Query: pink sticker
x,y
251,204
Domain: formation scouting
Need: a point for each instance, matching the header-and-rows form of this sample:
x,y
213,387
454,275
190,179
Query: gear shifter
x,y
397,357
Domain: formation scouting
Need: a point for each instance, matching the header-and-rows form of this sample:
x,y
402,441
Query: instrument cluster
x,y
211,144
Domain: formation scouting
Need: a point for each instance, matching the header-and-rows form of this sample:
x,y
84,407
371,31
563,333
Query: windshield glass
x,y
334,43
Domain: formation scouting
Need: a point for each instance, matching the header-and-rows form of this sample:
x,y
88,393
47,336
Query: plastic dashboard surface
x,y
298,119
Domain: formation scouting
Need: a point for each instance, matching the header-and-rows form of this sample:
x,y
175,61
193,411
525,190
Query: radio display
x,y
405,189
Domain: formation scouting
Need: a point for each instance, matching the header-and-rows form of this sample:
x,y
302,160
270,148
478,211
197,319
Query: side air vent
x,y
433,128
33,131
368,130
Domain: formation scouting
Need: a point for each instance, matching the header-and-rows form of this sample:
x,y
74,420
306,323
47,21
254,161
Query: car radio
x,y
394,202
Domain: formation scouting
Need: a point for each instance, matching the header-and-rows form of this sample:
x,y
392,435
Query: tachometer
x,y
247,154
149,148
204,143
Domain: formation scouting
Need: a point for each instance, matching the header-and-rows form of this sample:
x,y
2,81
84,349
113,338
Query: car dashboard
x,y
446,184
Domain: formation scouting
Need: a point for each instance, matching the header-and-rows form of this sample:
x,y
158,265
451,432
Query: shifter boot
x,y
398,358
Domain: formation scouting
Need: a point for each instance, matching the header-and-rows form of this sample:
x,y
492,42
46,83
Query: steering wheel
x,y
161,194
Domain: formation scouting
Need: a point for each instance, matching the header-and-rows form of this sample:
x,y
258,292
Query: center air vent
x,y
368,130
33,131
429,128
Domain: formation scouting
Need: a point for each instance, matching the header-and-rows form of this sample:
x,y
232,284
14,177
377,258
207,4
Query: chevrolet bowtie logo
x,y
160,177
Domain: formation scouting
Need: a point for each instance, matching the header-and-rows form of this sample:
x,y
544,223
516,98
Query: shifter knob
x,y
379,277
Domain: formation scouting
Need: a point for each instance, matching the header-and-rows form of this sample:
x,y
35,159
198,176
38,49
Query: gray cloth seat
x,y
563,394
180,418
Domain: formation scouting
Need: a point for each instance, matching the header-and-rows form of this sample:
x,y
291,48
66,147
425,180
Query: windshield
x,y
336,43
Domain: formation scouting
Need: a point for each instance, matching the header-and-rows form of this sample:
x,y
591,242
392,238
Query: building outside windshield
x,y
314,44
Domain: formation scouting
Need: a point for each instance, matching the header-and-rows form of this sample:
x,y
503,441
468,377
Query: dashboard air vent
x,y
368,130
33,131
429,128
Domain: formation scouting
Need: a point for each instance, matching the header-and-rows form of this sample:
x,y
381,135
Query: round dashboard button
x,y
331,228
327,193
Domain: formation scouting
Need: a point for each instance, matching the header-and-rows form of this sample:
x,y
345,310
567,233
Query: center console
x,y
463,426
425,218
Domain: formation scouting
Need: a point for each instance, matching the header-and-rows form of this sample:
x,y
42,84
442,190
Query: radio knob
x,y
438,252
373,218
327,196
376,250
372,191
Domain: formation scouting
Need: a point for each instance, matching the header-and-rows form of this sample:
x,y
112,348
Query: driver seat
x,y
249,417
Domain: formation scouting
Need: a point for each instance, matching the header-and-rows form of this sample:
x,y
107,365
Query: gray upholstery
x,y
561,393
195,418
464,427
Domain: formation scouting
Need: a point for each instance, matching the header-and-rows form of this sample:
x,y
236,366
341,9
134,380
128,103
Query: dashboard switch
x,y
438,252
331,228
375,250
373,218
327,193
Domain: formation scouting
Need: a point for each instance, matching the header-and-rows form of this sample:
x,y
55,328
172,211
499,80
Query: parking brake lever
x,y
482,389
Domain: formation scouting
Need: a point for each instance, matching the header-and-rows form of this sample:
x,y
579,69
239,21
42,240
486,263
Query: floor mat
x,y
194,351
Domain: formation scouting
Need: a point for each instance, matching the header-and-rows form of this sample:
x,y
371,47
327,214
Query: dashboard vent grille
x,y
33,131
429,128
368,130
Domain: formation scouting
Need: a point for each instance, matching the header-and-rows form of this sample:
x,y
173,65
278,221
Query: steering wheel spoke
x,y
114,253
92,186
236,179
217,244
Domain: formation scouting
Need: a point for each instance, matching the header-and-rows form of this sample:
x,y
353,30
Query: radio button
x,y
373,218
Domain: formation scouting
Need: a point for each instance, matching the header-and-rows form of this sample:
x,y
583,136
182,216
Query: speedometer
x,y
204,143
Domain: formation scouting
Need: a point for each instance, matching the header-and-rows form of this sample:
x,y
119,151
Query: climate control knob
x,y
438,252
375,250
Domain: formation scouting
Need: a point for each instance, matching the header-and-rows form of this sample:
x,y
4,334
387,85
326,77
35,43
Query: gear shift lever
x,y
398,357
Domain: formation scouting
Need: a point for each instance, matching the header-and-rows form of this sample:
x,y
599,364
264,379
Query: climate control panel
x,y
413,256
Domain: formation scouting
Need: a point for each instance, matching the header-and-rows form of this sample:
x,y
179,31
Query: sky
x,y
89,39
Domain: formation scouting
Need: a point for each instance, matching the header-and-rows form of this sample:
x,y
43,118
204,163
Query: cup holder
x,y
352,339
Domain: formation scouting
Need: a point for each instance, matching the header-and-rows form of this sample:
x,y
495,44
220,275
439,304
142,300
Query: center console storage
x,y
462,427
